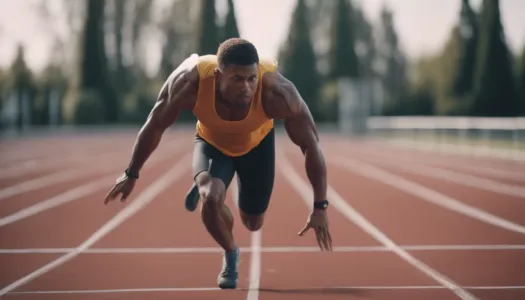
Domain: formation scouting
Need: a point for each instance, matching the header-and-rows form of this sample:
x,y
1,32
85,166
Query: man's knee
x,y
211,191
252,222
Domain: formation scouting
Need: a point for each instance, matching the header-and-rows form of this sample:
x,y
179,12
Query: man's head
x,y
238,70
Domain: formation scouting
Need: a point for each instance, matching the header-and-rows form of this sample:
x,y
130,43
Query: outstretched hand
x,y
318,221
124,186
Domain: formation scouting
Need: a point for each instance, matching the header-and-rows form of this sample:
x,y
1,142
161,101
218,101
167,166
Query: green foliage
x,y
90,108
230,28
393,79
93,72
298,61
521,81
207,31
417,102
494,85
468,35
343,61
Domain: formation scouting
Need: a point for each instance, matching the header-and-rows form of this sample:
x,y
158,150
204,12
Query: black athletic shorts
x,y
255,171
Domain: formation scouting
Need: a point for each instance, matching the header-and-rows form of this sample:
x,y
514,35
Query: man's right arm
x,y
174,96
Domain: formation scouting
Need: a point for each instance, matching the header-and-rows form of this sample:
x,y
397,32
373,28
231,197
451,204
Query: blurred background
x,y
447,71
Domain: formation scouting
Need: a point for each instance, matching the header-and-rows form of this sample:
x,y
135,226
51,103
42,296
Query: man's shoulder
x,y
186,71
268,65
206,65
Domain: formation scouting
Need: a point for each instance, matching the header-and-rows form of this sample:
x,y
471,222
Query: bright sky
x,y
423,25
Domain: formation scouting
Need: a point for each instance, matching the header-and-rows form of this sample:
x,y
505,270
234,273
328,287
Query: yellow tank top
x,y
234,138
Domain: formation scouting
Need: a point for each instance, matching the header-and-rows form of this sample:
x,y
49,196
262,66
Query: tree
x,y
21,84
92,76
343,60
391,59
494,85
468,40
298,61
521,81
230,28
207,31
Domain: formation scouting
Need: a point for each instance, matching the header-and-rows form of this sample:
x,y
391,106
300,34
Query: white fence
x,y
486,134
453,123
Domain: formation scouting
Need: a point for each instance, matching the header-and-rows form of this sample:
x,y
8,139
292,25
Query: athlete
x,y
235,97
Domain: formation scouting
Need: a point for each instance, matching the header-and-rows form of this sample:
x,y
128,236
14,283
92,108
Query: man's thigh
x,y
255,175
208,158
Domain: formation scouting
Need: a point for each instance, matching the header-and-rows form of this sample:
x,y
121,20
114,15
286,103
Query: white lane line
x,y
426,194
457,150
455,177
255,250
255,266
208,289
63,162
174,174
74,194
272,249
444,162
46,180
54,178
305,191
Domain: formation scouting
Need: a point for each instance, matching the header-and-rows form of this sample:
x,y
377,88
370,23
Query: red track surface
x,y
153,253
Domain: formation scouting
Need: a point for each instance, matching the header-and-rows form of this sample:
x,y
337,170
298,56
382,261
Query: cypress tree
x,y
343,60
298,61
468,33
91,86
521,82
207,31
230,28
495,87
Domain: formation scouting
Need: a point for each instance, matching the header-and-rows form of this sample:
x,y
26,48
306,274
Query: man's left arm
x,y
301,129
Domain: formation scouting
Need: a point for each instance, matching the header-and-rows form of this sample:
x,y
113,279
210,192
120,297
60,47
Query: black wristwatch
x,y
131,175
321,205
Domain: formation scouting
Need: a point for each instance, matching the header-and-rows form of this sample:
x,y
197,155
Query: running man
x,y
235,97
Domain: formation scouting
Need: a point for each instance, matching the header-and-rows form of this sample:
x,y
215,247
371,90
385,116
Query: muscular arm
x,y
301,129
172,98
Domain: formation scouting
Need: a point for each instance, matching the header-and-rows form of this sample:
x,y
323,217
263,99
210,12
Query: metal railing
x,y
469,134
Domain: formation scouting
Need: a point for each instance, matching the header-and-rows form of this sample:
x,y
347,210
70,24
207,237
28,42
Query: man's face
x,y
237,83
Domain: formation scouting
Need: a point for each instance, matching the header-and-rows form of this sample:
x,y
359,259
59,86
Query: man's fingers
x,y
318,236
304,230
109,196
113,193
125,195
329,239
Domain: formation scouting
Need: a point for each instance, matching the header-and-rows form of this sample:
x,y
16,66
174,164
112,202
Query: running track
x,y
405,224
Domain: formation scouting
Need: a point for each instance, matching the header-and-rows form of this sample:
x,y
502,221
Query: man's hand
x,y
124,186
318,221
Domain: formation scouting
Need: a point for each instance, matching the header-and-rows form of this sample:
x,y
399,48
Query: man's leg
x,y
213,172
255,175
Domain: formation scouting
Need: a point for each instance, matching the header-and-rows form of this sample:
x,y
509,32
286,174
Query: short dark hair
x,y
236,51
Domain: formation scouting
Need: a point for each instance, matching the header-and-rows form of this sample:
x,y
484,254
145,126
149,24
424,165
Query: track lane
x,y
510,198
69,224
113,271
174,172
287,215
167,223
29,199
497,173
381,147
415,271
409,220
156,270
503,206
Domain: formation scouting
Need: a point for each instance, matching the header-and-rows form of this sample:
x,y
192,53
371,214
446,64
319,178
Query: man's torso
x,y
232,131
